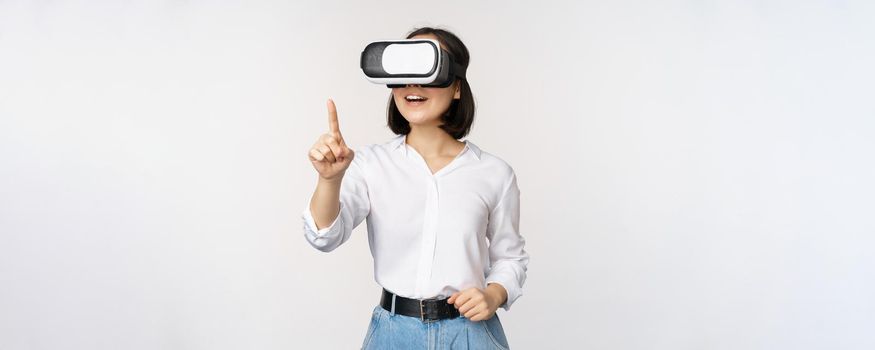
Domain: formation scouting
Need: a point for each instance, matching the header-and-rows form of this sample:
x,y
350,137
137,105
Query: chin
x,y
417,117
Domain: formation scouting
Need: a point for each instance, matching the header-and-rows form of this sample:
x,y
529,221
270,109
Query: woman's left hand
x,y
475,304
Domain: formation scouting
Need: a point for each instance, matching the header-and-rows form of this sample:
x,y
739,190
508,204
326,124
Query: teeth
x,y
415,98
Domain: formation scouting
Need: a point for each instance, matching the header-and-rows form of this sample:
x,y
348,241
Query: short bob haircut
x,y
459,116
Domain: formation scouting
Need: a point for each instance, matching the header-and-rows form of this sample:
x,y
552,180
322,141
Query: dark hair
x,y
458,118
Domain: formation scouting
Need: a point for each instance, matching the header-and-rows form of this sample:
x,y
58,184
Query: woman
x,y
443,217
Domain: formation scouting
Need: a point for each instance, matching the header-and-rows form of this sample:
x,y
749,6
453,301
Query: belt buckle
x,y
421,310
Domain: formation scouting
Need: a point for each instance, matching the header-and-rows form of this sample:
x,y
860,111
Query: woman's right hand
x,y
330,155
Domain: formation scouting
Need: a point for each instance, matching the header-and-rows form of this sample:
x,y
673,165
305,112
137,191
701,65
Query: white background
x,y
694,174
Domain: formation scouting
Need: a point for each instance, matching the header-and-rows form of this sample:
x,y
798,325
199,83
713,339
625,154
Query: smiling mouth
x,y
415,100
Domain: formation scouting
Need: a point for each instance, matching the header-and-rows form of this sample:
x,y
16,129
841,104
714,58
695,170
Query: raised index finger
x,y
333,125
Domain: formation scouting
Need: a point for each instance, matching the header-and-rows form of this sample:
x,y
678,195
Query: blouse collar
x,y
400,140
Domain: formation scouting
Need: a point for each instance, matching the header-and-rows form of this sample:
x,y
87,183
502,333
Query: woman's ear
x,y
458,94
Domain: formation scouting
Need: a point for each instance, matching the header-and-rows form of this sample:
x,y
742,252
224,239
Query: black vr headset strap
x,y
458,70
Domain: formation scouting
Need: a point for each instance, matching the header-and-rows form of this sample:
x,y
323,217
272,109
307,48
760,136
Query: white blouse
x,y
431,235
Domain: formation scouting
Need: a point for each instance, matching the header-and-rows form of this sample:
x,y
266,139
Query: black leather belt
x,y
424,309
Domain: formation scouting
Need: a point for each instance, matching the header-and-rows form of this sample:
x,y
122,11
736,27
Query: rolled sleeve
x,y
507,255
354,208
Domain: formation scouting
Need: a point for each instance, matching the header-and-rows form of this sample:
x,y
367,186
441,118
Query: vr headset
x,y
397,63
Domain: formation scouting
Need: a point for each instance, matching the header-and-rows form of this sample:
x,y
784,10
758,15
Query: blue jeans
x,y
395,331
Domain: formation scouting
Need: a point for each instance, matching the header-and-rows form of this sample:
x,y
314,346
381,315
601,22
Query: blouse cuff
x,y
322,238
505,276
